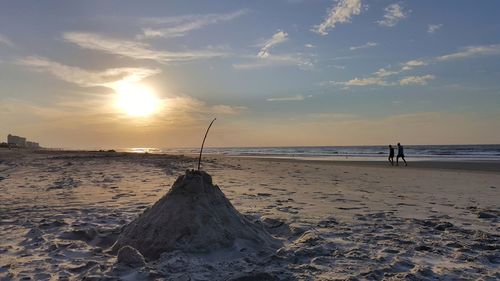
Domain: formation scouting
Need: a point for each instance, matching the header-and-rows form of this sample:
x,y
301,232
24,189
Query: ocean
x,y
361,153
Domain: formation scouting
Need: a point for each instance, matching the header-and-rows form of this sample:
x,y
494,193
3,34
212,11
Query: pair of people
x,y
400,154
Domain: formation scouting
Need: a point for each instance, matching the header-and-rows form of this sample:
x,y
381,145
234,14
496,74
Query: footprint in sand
x,y
262,194
488,214
289,209
118,196
349,208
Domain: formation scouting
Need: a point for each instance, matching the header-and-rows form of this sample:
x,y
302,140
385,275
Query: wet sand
x,y
60,212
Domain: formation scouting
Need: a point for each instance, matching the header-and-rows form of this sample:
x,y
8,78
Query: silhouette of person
x,y
391,155
401,154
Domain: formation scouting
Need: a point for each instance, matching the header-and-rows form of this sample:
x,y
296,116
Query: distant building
x,y
20,142
32,145
16,141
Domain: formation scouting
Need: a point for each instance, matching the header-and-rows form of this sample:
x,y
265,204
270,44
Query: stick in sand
x,y
203,143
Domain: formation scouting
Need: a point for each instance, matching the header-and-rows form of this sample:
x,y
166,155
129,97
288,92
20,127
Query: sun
x,y
137,100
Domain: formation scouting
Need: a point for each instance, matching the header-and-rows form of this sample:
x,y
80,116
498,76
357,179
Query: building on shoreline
x,y
21,142
32,145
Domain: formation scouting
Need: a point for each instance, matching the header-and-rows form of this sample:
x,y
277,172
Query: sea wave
x,y
416,152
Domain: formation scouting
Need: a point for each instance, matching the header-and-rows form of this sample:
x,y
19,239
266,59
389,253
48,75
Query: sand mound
x,y
193,217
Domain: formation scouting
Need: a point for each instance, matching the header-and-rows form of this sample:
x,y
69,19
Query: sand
x,y
61,212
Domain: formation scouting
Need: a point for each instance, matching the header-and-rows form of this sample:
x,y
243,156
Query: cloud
x,y
265,59
366,82
92,117
393,14
85,78
369,81
278,38
292,98
275,60
309,46
132,49
186,109
364,46
409,65
382,72
227,109
432,28
5,41
379,78
61,111
416,80
472,51
182,25
340,13
208,18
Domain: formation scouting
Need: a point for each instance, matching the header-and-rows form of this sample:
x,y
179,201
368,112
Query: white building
x,y
16,141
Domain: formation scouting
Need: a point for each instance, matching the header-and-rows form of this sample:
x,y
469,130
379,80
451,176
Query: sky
x,y
273,72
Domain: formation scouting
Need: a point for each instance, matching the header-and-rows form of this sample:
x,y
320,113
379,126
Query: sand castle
x,y
195,217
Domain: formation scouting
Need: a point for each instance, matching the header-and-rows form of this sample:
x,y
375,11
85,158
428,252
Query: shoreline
x,y
477,166
490,166
445,153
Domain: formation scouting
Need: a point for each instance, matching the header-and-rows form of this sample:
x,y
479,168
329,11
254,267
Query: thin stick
x,y
203,143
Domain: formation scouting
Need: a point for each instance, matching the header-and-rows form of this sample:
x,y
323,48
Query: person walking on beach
x,y
391,155
401,154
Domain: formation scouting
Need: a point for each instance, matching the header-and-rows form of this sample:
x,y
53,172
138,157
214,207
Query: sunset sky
x,y
273,72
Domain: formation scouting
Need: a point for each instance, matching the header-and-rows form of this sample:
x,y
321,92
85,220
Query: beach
x,y
61,211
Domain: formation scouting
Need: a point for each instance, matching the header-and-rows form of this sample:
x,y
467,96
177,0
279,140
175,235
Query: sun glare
x,y
137,100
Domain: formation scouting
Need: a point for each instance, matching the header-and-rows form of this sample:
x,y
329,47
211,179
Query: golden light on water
x,y
137,100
